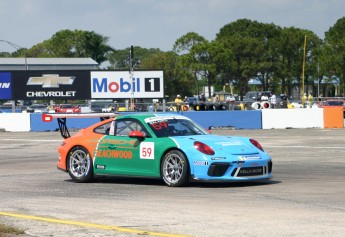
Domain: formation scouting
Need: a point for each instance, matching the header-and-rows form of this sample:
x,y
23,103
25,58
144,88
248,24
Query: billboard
x,y
124,85
51,85
5,86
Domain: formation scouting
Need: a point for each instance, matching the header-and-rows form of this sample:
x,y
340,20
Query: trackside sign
x,y
5,85
123,85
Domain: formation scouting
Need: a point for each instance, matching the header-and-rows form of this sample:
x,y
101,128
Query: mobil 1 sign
x,y
122,84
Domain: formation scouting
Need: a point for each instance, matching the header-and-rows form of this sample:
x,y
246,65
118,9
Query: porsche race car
x,y
167,146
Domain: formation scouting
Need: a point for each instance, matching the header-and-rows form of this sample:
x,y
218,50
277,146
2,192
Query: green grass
x,y
5,230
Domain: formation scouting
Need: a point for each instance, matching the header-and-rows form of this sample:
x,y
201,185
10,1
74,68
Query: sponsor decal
x,y
50,93
114,154
218,158
100,167
250,171
162,119
117,142
5,85
50,81
102,85
196,162
249,157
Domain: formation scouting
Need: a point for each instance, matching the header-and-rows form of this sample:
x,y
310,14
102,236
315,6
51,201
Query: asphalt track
x,y
305,197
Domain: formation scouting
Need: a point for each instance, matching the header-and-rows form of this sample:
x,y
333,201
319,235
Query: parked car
x,y
253,96
333,103
68,108
37,108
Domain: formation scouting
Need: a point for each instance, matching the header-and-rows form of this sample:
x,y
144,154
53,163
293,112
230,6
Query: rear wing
x,y
61,118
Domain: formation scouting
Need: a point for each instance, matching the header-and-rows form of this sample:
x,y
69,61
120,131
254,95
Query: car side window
x,y
103,129
125,126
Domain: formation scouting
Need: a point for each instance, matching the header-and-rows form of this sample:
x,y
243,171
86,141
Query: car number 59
x,y
147,150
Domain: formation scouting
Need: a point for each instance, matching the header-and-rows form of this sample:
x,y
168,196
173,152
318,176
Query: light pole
x,y
17,47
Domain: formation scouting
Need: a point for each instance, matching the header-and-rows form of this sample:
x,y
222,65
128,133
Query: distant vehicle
x,y
37,108
108,108
333,104
253,96
68,108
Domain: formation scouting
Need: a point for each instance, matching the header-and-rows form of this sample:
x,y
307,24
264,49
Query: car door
x,y
119,154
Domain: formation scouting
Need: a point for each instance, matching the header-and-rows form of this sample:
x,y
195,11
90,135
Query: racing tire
x,y
211,107
175,169
80,165
222,107
256,106
265,105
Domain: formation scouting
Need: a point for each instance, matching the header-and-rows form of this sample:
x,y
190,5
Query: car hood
x,y
220,144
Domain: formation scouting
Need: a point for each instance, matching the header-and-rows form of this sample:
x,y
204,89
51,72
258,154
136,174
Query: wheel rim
x,y
173,168
79,163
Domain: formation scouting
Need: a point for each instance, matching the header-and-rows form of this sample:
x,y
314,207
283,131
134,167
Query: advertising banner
x,y
124,85
51,85
5,86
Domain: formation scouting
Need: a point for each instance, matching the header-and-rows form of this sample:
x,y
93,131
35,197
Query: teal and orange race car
x,y
167,146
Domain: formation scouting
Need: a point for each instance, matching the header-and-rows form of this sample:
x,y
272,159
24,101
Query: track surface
x,y
306,197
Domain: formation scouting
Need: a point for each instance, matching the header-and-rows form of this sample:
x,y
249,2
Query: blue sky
x,y
155,23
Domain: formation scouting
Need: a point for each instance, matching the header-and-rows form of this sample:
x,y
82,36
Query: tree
x,y
177,79
254,49
94,46
193,55
335,41
77,43
119,59
184,44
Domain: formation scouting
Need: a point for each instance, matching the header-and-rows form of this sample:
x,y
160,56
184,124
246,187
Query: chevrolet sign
x,y
50,84
50,81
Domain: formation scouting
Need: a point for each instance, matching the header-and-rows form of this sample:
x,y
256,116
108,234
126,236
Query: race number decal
x,y
147,150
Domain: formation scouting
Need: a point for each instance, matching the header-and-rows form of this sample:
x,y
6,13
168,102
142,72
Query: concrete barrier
x,y
37,125
15,122
237,119
333,117
292,118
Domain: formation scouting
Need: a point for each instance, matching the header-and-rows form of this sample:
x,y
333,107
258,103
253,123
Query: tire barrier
x,y
212,107
203,107
265,105
222,107
262,105
256,106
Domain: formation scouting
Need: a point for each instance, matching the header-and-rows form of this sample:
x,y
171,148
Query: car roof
x,y
143,116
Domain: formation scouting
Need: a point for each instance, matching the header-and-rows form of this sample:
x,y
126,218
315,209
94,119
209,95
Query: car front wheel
x,y
174,169
79,164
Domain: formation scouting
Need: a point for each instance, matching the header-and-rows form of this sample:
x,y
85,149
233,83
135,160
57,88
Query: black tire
x,y
222,107
79,165
175,169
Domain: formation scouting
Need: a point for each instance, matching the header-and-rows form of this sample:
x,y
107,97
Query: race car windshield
x,y
175,127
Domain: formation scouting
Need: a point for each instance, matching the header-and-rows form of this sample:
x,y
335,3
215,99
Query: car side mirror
x,y
137,134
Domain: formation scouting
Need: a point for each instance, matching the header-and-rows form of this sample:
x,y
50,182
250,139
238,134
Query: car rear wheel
x,y
79,164
174,169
